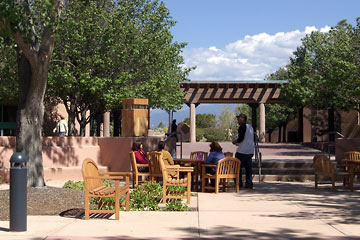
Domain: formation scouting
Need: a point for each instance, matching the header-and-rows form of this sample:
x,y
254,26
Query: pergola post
x,y
253,115
262,122
192,123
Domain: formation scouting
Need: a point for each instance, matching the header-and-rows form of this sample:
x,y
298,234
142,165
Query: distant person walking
x,y
245,149
61,127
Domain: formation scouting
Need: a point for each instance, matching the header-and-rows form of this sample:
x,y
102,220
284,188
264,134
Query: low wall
x,y
345,145
63,157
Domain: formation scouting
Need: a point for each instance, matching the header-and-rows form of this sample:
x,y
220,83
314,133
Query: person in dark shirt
x,y
215,155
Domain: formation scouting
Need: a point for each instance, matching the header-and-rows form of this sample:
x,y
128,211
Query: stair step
x,y
285,171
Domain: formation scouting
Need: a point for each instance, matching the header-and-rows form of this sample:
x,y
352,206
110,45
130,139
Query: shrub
x,y
74,185
146,197
176,205
200,134
214,134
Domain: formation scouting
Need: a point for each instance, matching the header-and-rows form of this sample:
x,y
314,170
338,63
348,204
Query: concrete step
x,y
285,171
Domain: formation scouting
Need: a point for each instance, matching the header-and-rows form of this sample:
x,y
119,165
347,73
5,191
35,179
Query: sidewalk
x,y
271,210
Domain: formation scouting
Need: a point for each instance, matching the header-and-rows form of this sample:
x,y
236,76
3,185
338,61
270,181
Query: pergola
x,y
253,92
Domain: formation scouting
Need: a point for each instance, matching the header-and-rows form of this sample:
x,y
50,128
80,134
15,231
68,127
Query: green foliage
x,y
176,205
176,190
203,121
116,50
146,197
200,132
1,179
214,134
79,185
278,114
8,72
324,72
227,122
161,125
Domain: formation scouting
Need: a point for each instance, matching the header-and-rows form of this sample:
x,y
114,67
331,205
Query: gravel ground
x,y
45,201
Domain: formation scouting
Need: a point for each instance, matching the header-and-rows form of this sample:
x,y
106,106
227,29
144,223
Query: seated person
x,y
166,156
140,156
168,160
215,155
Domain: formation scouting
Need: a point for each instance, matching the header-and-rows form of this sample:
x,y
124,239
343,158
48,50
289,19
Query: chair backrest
x,y
155,169
90,169
133,161
162,167
351,155
228,167
323,165
228,154
199,155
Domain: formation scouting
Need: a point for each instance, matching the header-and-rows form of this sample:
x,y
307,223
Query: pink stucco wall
x,y
63,157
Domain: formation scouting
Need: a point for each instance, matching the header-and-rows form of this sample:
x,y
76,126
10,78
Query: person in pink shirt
x,y
140,156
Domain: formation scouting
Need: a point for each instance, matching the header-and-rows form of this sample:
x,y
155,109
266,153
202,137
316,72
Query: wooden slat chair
x,y
351,156
94,188
199,155
227,168
324,167
135,168
174,179
154,167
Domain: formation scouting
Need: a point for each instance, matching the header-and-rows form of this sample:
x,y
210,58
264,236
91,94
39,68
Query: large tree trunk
x,y
83,123
331,124
32,85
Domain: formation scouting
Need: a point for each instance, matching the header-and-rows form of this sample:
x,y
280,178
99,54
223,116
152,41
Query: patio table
x,y
197,171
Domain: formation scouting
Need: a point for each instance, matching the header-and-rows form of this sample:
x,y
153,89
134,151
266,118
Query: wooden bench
x,y
94,188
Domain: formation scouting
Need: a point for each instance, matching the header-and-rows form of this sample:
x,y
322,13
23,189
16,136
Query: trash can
x,y
18,192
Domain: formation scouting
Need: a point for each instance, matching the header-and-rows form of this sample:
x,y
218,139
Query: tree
x,y
8,71
278,115
116,50
227,122
161,125
323,73
203,121
32,25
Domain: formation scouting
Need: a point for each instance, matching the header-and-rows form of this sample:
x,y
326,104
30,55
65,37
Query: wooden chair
x,y
199,155
227,168
174,179
324,167
351,162
94,188
154,167
229,154
135,168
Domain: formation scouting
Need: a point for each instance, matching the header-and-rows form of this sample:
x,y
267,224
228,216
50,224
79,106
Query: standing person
x,y
245,149
61,126
173,127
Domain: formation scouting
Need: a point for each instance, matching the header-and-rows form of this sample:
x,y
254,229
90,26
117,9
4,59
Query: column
x,y
107,124
192,123
262,122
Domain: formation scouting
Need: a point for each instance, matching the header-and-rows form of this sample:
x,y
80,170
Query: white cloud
x,y
250,58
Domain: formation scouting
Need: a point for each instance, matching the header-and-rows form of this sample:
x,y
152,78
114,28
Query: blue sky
x,y
247,39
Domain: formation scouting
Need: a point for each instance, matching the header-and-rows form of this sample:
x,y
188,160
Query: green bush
x,y
74,185
214,134
200,134
1,180
176,190
176,205
146,197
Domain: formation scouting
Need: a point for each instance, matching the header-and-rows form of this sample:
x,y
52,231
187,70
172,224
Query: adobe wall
x,y
63,157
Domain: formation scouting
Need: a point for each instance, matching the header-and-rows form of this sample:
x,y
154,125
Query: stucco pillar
x,y
192,123
107,124
262,122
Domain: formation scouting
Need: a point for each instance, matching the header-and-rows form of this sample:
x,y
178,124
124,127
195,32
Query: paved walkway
x,y
271,210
